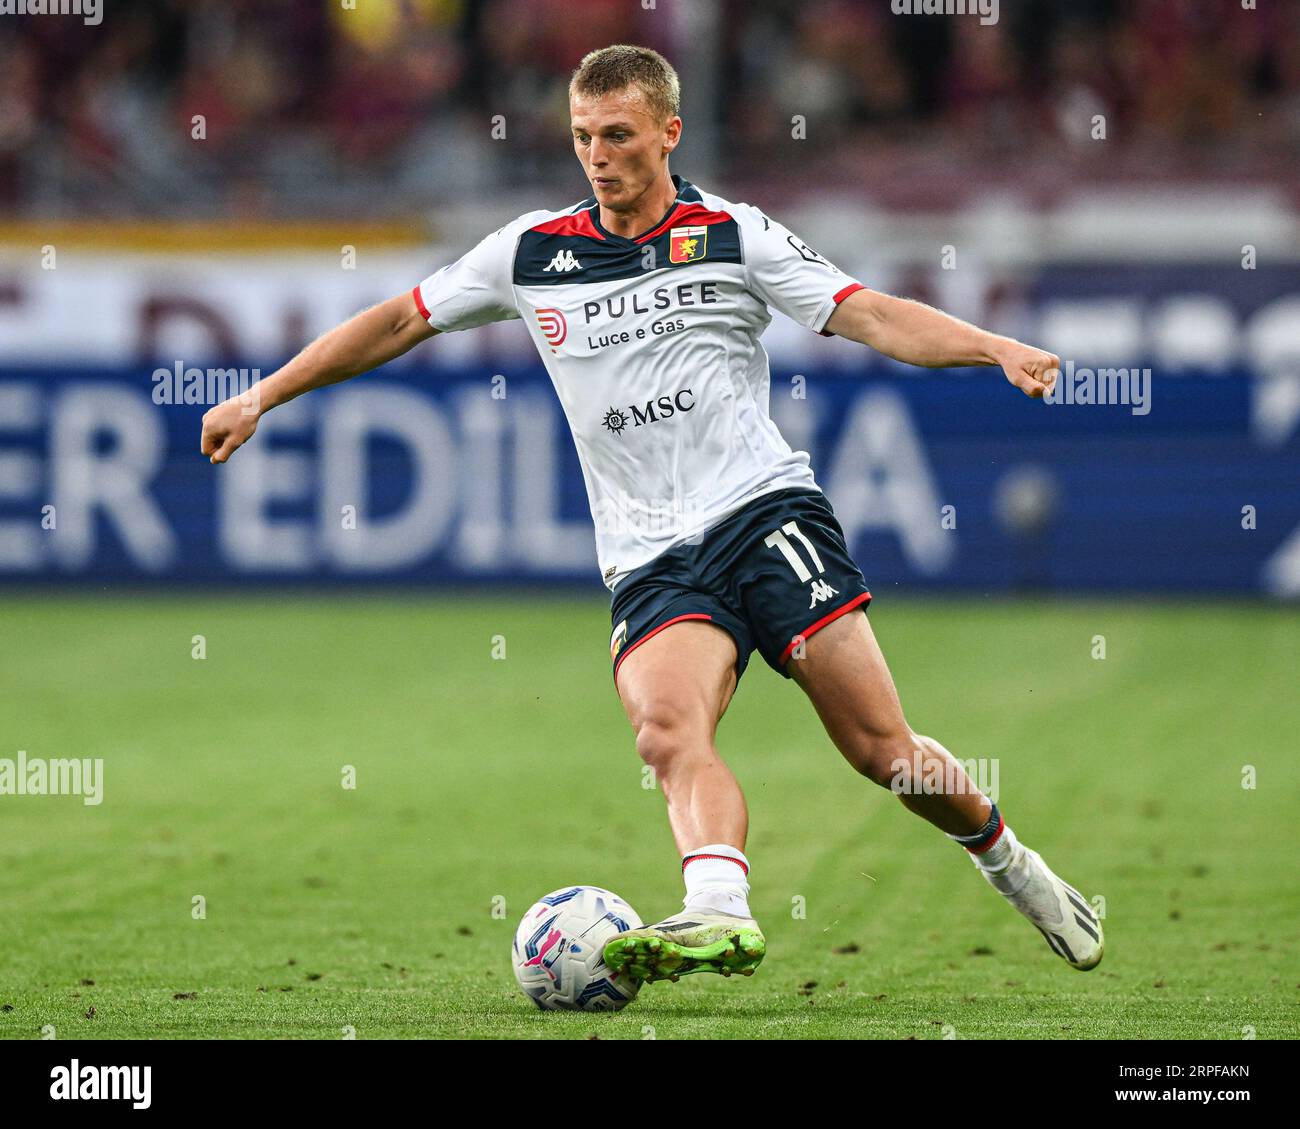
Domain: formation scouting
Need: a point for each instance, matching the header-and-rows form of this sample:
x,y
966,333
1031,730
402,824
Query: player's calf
x,y
928,780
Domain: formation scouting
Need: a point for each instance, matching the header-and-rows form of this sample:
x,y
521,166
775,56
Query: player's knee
x,y
887,758
666,734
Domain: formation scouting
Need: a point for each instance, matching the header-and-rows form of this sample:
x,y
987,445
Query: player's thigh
x,y
676,685
844,674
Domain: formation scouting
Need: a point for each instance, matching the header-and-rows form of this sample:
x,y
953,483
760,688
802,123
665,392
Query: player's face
x,y
621,145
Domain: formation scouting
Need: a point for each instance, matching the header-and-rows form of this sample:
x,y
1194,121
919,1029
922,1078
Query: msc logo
x,y
563,262
552,324
652,411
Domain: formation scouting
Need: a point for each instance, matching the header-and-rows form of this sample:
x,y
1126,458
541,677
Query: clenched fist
x,y
1031,370
228,426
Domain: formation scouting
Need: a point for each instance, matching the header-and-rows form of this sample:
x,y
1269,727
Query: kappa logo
x,y
563,262
552,324
821,591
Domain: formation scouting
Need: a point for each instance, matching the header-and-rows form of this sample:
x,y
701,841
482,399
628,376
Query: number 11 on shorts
x,y
777,539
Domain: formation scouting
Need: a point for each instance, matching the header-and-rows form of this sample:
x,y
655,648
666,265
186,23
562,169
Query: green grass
x,y
481,779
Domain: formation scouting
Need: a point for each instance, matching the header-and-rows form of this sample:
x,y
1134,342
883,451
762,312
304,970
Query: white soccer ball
x,y
559,950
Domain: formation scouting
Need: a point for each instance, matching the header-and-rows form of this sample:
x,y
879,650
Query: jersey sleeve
x,y
474,290
789,275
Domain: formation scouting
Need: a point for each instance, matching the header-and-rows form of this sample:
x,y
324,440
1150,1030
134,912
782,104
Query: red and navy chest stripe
x,y
544,254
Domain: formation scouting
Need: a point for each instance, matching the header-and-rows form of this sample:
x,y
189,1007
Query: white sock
x,y
992,847
998,857
715,879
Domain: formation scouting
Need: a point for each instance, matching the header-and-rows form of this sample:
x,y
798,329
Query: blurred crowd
x,y
249,108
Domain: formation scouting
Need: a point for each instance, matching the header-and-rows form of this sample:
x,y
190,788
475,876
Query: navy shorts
x,y
771,574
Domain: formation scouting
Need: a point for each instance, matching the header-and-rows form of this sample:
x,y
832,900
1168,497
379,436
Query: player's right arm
x,y
372,338
474,290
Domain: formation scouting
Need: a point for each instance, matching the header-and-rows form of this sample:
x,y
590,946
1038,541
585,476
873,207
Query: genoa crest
x,y
687,244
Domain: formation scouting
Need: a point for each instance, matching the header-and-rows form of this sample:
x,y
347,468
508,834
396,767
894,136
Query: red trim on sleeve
x,y
840,295
419,303
860,598
652,634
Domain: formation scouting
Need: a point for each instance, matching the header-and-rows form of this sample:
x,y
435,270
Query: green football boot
x,y
706,941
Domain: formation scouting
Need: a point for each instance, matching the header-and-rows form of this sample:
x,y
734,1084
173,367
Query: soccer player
x,y
646,302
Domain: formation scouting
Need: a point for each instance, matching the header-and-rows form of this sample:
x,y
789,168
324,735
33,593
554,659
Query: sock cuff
x,y
986,836
716,851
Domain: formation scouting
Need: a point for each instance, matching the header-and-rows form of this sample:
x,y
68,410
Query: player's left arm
x,y
921,335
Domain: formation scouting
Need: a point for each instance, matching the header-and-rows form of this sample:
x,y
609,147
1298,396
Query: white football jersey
x,y
652,344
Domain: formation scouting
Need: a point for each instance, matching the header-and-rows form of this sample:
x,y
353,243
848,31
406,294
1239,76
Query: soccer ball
x,y
559,950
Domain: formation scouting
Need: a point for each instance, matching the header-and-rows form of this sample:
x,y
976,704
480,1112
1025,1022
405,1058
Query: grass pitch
x,y
481,783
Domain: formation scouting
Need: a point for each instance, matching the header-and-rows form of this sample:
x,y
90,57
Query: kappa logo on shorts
x,y
821,591
617,640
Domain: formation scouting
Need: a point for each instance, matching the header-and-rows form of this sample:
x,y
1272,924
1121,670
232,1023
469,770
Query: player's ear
x,y
672,134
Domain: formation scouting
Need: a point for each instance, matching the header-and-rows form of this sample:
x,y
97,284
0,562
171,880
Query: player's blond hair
x,y
615,68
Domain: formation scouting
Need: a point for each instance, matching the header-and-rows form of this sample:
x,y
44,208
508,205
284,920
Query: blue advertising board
x,y
942,480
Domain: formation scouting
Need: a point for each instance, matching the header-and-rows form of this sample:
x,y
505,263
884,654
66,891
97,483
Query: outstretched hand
x,y
1033,371
228,426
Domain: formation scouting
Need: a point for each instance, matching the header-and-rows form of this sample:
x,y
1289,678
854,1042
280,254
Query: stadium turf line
x,y
483,782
